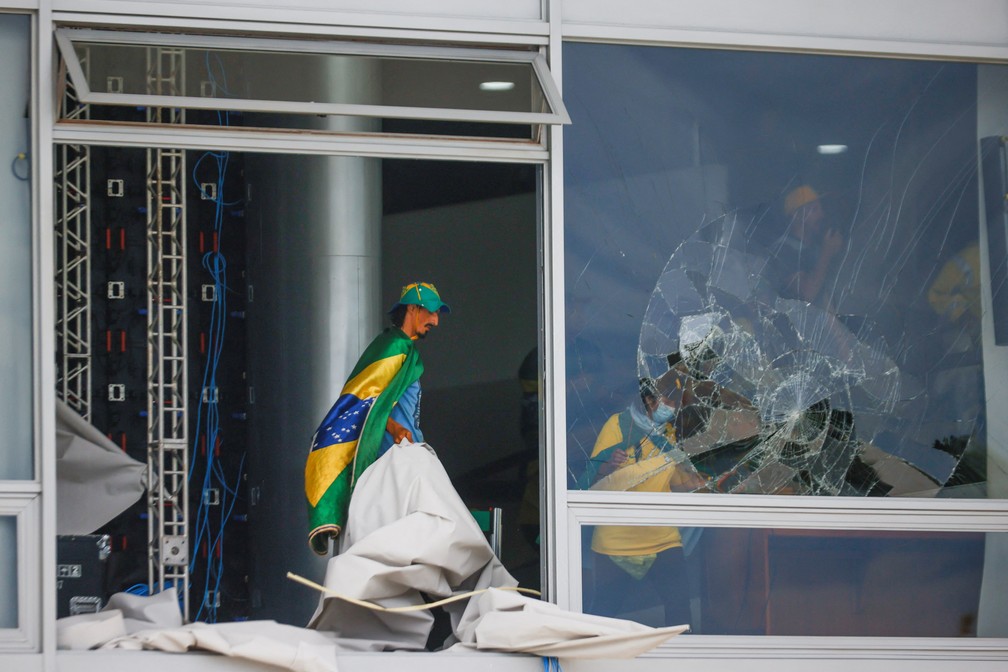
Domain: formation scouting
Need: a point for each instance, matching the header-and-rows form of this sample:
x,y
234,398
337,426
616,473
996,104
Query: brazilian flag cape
x,y
347,441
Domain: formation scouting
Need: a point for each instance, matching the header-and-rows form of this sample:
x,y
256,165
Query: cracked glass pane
x,y
777,267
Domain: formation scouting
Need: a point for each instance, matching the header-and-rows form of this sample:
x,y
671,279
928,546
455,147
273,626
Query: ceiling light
x,y
831,149
496,86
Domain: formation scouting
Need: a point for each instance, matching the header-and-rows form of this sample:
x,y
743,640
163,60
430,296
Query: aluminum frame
x,y
65,37
591,508
22,502
279,142
794,653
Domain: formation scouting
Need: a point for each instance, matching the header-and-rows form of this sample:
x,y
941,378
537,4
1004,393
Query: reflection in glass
x,y
735,581
8,577
820,311
251,75
15,251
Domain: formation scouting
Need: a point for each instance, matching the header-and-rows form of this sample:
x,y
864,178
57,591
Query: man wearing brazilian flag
x,y
379,406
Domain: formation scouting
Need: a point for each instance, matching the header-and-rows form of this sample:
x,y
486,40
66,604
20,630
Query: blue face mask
x,y
662,415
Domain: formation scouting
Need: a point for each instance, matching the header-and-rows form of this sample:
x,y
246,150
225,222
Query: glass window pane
x,y
8,577
784,254
16,448
737,581
244,75
268,76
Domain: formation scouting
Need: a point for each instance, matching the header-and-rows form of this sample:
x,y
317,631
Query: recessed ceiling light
x,y
496,86
831,149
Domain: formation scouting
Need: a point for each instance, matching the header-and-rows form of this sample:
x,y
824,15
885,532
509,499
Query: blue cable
x,y
208,419
137,589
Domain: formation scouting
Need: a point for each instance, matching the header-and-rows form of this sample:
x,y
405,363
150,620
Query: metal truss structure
x,y
167,353
73,262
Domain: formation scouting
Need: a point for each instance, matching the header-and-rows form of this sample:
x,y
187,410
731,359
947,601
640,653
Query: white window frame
x,y
265,141
65,38
782,512
570,510
566,511
20,500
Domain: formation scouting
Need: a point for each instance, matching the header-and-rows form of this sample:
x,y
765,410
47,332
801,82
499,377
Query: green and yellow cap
x,y
422,294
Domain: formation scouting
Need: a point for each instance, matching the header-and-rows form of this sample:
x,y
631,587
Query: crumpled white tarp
x,y
124,614
408,535
122,625
95,480
499,620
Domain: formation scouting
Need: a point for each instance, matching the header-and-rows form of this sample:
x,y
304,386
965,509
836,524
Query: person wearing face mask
x,y
636,450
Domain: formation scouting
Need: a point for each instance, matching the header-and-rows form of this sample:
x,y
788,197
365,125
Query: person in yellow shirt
x,y
636,450
805,255
956,290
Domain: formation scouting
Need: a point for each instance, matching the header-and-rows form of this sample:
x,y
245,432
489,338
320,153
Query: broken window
x,y
776,270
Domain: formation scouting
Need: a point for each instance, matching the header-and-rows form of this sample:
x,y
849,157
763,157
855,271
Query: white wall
x,y
513,15
943,27
15,253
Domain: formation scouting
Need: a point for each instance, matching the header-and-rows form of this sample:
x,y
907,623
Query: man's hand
x,y
832,242
398,432
618,457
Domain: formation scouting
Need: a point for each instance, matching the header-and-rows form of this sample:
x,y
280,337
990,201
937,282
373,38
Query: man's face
x,y
423,320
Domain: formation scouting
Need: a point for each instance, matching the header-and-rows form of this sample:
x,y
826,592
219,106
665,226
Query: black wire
x,y
20,157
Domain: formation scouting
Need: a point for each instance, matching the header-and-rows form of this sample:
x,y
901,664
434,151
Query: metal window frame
x,y
590,508
21,501
65,38
789,653
569,510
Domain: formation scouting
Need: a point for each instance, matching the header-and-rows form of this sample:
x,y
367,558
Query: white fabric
x,y
88,631
124,614
500,620
407,533
95,480
140,612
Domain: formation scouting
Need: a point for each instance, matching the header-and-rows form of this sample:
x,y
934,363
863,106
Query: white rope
x,y
413,607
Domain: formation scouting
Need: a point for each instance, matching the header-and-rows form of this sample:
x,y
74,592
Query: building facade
x,y
795,212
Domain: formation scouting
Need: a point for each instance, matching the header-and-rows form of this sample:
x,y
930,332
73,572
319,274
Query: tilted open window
x,y
318,85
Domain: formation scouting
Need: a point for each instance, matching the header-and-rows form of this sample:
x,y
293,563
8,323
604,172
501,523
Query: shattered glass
x,y
831,411
820,307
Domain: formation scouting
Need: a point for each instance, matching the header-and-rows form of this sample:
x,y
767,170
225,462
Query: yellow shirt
x,y
956,290
626,540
